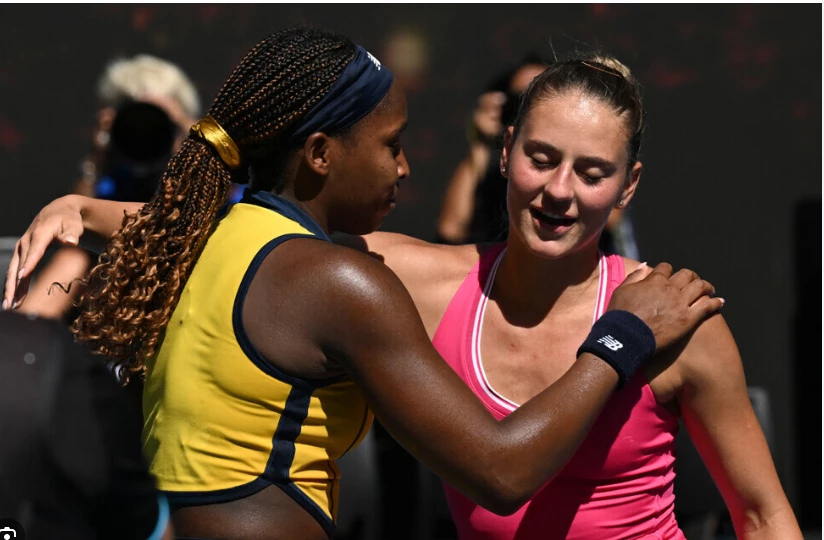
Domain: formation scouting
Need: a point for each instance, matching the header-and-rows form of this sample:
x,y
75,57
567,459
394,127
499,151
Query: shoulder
x,y
630,265
410,256
710,355
706,359
431,273
326,274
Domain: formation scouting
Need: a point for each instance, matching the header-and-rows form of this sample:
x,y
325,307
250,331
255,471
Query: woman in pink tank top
x,y
509,318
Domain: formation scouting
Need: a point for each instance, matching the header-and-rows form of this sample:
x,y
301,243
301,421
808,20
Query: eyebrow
x,y
607,165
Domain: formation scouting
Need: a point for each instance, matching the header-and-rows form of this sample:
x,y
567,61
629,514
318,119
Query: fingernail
x,y
5,305
16,304
643,264
20,274
722,301
71,239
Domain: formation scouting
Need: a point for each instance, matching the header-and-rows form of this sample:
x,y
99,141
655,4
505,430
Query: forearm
x,y
459,200
718,414
536,441
103,217
497,464
57,285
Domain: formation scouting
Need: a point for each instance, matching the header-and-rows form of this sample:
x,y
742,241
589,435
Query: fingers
x,y
32,253
683,277
662,269
70,233
705,307
21,291
642,271
694,290
11,277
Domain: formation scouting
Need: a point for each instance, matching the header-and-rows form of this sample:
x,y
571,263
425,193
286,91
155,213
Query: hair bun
x,y
612,63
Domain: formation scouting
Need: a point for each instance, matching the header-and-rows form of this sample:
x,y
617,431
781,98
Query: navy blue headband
x,y
357,91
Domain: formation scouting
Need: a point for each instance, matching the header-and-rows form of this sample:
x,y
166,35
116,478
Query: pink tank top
x,y
619,483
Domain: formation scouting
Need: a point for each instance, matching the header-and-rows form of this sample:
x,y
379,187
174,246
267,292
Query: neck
x,y
531,286
314,207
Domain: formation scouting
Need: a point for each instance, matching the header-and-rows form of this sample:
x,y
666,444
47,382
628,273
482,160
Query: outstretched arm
x,y
459,199
64,220
720,420
368,324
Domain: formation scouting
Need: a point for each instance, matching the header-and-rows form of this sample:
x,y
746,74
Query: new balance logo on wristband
x,y
374,60
611,343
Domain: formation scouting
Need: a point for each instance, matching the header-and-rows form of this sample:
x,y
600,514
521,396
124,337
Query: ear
x,y
317,153
507,151
630,186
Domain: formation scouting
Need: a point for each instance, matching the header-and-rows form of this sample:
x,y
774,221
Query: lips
x,y
552,219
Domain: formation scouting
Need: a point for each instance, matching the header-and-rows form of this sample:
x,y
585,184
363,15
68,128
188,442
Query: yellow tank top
x,y
221,422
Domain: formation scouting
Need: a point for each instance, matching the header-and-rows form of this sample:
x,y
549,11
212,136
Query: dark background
x,y
732,178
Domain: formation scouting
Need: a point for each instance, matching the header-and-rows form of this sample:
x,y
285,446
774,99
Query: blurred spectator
x,y
147,106
143,79
474,207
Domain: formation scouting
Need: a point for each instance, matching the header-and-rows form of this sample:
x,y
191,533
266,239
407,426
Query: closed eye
x,y
396,148
591,179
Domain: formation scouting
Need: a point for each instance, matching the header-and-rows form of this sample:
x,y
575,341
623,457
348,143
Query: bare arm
x,y
50,301
375,334
430,272
721,422
459,200
64,220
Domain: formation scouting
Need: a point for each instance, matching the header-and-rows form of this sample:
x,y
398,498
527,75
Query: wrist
x,y
593,364
622,340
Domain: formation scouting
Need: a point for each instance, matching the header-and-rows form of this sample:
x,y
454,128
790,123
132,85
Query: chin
x,y
553,248
548,249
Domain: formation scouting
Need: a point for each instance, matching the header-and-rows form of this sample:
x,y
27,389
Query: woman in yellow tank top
x,y
265,346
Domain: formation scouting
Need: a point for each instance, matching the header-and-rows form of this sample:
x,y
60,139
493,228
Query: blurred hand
x,y
487,115
672,305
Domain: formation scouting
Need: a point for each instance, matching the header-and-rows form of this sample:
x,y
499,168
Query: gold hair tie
x,y
210,131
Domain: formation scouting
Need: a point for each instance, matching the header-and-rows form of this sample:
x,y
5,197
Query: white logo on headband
x,y
374,60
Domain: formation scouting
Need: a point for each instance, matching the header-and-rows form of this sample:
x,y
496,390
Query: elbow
x,y
505,506
504,502
505,494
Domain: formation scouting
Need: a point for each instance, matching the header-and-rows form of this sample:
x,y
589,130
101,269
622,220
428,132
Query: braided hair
x,y
137,282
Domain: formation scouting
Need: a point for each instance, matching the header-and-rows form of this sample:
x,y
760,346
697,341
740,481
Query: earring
x,y
621,204
503,169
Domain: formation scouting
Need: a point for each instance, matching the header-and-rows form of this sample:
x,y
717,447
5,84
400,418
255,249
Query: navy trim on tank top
x,y
283,454
277,469
240,332
297,404
286,208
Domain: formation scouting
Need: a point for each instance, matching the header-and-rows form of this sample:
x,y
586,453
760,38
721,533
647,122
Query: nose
x,y
559,183
403,167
